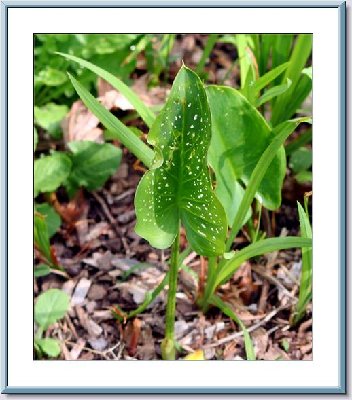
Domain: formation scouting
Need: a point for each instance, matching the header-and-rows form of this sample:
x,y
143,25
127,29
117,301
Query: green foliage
x,y
305,290
50,172
246,154
131,141
49,117
301,159
50,307
52,218
235,151
228,311
41,236
178,185
41,270
92,164
141,108
49,346
157,53
89,165
287,103
108,50
35,138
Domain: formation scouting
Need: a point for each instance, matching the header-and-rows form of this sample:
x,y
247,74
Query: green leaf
x,y
301,140
301,159
305,290
280,134
178,186
281,50
266,79
51,306
50,77
41,236
130,140
112,135
52,218
49,346
304,177
228,267
250,353
273,92
267,40
211,41
302,90
146,114
35,139
246,61
50,172
41,270
93,163
282,110
49,118
239,137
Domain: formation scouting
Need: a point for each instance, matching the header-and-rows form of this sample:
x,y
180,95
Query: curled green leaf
x,y
178,186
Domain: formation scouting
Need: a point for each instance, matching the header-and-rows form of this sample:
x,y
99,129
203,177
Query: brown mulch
x,y
98,255
108,264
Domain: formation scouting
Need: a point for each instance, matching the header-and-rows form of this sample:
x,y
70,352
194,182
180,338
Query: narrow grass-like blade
x,y
206,52
250,353
264,80
228,267
305,290
273,92
146,114
300,141
131,141
298,59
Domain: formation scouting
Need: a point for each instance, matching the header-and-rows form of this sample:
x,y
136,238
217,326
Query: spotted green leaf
x,y
178,186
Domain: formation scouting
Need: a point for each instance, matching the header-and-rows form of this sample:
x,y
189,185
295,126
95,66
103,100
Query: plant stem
x,y
206,53
168,345
210,283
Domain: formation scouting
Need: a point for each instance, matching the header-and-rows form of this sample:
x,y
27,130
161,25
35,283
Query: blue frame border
x,y
341,5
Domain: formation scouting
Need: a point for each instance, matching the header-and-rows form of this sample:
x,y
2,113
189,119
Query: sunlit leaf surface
x,y
178,186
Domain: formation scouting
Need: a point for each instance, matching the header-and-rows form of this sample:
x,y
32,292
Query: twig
x,y
105,208
105,353
124,194
236,335
273,280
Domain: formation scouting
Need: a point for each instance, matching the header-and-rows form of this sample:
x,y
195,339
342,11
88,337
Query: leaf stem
x,y
210,283
168,344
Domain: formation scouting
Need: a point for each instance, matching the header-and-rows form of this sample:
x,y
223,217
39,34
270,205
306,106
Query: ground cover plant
x,y
213,163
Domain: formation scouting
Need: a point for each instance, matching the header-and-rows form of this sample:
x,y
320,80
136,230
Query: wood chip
x,y
77,349
80,292
88,324
97,292
98,344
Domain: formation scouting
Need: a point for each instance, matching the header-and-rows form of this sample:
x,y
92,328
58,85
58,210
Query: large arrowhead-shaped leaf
x,y
239,137
178,186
